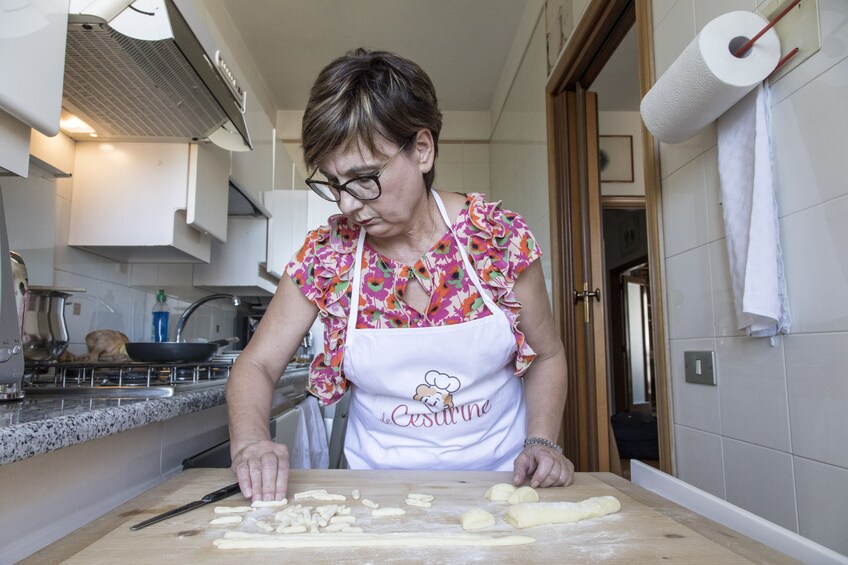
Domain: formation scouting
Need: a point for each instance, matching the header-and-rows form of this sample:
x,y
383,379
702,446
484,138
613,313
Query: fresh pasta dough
x,y
523,495
499,492
541,513
476,519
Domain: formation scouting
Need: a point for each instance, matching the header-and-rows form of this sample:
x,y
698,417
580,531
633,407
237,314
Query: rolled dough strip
x,y
541,513
245,540
370,503
418,503
269,503
232,509
421,497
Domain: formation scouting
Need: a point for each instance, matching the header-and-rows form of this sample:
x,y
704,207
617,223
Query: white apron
x,y
441,397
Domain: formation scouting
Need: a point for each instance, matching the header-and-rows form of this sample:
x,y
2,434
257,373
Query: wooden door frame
x,y
595,37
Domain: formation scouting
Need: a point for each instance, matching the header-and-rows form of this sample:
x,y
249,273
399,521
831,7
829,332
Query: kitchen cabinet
x,y
237,266
253,171
30,94
293,213
52,154
149,202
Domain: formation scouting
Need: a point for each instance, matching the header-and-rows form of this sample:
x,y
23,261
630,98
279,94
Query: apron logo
x,y
437,392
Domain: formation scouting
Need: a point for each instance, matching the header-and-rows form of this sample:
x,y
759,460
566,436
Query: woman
x,y
449,301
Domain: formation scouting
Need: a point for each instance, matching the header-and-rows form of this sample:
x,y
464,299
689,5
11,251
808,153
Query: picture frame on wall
x,y
615,153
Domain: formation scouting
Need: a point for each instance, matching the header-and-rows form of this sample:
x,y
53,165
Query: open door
x,y
582,320
577,232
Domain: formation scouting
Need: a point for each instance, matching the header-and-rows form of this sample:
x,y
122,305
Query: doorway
x,y
614,329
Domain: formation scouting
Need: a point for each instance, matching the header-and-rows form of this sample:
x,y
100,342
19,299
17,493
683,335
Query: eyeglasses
x,y
362,188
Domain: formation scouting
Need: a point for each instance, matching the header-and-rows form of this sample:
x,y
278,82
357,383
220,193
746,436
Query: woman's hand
x,y
262,469
546,467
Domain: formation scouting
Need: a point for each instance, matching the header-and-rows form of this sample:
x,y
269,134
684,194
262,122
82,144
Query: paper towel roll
x,y
706,79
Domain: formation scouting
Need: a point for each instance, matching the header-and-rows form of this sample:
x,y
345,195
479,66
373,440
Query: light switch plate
x,y
700,367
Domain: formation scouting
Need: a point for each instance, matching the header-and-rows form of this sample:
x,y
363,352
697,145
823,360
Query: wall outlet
x,y
700,367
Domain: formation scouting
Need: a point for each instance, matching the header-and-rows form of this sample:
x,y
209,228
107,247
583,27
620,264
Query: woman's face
x,y
403,194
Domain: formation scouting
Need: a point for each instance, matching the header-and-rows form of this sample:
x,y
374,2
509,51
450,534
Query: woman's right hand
x,y
262,469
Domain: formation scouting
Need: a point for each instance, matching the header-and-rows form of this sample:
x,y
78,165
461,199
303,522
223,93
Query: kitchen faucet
x,y
196,304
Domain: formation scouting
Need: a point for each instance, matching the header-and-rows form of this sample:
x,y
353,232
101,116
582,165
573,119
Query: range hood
x,y
136,71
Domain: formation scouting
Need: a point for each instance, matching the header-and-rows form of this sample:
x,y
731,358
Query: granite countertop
x,y
40,423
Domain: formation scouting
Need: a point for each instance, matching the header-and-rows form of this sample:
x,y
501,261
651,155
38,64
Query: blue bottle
x,y
161,313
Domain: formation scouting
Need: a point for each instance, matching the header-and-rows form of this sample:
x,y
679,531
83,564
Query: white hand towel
x,y
316,433
750,216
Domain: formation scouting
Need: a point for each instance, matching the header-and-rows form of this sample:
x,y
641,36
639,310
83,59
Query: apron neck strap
x,y
355,280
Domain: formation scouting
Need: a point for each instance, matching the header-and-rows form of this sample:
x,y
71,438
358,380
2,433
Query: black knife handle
x,y
221,493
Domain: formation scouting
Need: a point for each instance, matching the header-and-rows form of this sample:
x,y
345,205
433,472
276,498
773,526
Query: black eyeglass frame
x,y
343,187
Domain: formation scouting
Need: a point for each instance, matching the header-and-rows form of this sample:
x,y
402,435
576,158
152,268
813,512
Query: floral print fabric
x,y
498,242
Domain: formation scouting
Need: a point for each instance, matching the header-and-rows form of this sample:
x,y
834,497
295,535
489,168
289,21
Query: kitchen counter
x,y
648,529
69,459
41,423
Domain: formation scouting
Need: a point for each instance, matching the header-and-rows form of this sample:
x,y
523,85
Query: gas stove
x,y
126,378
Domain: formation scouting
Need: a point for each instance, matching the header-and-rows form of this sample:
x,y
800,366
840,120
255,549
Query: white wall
x,y
518,151
772,436
625,123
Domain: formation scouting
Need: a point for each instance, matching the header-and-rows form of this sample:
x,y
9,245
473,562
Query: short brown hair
x,y
365,94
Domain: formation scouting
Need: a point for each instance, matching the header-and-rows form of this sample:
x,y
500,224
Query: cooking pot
x,y
175,352
45,334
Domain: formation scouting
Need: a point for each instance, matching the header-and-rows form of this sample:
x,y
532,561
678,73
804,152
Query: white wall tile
x,y
660,9
112,307
712,183
684,200
694,405
815,256
673,34
834,34
699,459
708,10
724,307
752,393
822,503
79,324
690,308
761,481
818,389
475,153
810,132
449,176
449,153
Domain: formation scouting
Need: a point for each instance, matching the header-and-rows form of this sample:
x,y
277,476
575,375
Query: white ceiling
x,y
462,44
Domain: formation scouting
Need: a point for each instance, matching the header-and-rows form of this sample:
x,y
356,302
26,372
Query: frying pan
x,y
175,352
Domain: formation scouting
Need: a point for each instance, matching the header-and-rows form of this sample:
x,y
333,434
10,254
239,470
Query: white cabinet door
x,y
236,266
286,228
253,171
129,202
32,42
294,213
208,186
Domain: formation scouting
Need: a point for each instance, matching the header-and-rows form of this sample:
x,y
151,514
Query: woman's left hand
x,y
545,466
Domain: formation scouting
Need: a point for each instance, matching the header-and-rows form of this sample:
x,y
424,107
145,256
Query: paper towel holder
x,y
748,44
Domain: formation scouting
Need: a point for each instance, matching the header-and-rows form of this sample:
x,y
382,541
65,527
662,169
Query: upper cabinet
x,y
30,94
253,171
238,266
149,202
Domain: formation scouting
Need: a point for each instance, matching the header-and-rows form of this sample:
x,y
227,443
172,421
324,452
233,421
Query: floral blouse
x,y
498,242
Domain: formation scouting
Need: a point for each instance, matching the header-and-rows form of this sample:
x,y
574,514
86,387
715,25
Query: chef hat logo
x,y
442,381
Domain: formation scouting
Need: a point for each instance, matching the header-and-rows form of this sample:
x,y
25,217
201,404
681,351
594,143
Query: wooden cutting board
x,y
637,534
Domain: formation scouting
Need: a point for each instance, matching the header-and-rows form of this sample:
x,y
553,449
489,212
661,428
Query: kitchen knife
x,y
219,494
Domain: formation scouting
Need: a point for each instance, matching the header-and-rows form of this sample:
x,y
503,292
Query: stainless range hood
x,y
136,71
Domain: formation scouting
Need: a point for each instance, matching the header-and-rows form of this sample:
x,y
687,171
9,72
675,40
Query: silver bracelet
x,y
542,441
